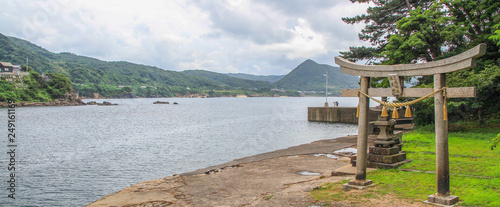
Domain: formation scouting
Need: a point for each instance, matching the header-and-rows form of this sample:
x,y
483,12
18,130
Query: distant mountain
x,y
309,76
225,79
268,78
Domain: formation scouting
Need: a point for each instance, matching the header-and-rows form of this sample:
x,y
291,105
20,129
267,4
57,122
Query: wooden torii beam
x,y
438,69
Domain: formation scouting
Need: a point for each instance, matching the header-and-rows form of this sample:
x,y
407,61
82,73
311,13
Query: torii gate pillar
x,y
438,69
441,128
362,142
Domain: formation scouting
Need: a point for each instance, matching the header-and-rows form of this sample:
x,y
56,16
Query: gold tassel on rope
x,y
384,112
395,114
357,112
445,112
408,111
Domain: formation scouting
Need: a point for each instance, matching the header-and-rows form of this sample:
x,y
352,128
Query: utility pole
x,y
326,89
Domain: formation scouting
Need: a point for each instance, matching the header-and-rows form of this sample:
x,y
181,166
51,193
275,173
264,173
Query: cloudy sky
x,y
263,37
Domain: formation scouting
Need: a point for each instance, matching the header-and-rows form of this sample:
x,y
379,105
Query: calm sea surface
x,y
73,155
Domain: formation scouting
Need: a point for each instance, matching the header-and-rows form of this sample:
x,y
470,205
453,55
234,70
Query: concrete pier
x,y
338,114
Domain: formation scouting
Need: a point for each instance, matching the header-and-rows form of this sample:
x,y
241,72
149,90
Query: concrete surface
x,y
268,179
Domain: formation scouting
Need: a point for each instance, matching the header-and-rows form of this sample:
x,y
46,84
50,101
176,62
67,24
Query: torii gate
x,y
438,69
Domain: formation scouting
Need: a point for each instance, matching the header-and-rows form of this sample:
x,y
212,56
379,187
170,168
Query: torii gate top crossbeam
x,y
462,61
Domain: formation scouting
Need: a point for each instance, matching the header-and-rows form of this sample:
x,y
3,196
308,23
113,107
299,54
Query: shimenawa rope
x,y
407,104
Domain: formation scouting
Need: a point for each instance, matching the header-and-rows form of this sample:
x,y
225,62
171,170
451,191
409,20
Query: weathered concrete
x,y
269,179
338,114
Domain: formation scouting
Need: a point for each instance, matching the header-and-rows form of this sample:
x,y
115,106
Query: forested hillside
x,y
120,79
227,80
109,79
37,88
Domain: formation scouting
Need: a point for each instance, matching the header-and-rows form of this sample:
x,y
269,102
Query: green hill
x,y
268,78
227,80
90,75
15,53
309,76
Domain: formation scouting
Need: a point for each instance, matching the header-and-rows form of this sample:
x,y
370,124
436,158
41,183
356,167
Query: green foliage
x,y
422,35
35,87
496,36
58,85
495,141
486,103
380,24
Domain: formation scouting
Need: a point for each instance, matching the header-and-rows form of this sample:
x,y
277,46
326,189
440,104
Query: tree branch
x,y
408,5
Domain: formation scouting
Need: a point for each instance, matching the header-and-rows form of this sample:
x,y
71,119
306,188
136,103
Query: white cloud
x,y
306,43
249,36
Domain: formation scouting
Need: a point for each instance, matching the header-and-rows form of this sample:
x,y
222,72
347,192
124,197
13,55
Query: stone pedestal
x,y
357,185
386,152
386,136
449,200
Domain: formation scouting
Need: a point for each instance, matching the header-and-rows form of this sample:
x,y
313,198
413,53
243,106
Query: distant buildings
x,y
9,71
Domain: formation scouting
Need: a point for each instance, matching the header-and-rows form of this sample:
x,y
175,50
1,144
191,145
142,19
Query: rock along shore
x,y
278,178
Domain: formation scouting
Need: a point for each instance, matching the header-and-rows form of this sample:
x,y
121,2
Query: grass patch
x,y
332,192
474,169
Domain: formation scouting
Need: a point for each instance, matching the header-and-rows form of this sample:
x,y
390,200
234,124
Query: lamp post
x,y
326,89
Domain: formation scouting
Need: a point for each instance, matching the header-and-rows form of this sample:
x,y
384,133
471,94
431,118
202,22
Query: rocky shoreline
x,y
69,99
56,102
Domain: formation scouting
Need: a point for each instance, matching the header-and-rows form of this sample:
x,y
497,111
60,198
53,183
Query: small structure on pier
x,y
440,92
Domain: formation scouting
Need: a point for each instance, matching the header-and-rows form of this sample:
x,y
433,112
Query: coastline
x,y
267,179
52,103
80,102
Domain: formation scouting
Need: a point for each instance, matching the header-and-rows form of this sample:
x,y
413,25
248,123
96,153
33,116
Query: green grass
x,y
474,169
332,192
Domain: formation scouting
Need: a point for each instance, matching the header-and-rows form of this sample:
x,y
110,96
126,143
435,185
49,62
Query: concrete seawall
x,y
338,114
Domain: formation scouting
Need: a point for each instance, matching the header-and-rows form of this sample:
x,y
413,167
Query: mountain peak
x,y
309,61
309,76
